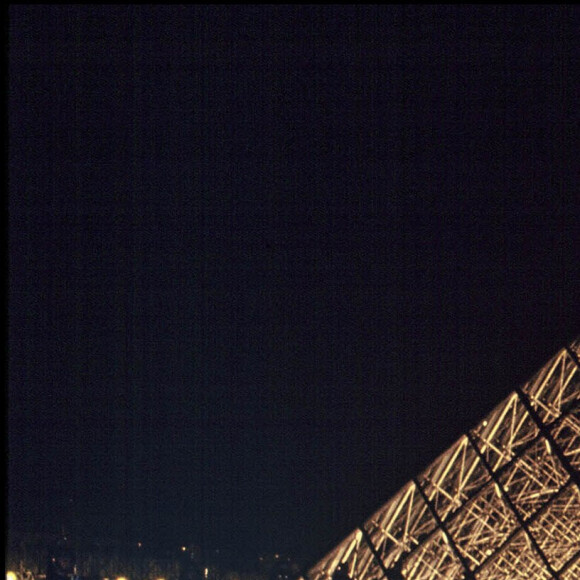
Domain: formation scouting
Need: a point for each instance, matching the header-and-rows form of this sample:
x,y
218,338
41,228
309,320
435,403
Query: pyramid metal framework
x,y
502,502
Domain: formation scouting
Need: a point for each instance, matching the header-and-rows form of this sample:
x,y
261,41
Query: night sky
x,y
266,263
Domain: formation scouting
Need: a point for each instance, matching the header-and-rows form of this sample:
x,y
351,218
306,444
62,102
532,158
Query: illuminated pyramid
x,y
502,502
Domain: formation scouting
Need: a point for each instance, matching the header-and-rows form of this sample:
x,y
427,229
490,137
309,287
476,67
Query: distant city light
x,y
121,578
205,572
183,549
11,576
139,544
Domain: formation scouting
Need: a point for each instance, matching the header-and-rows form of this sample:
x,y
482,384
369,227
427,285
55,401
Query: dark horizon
x,y
266,263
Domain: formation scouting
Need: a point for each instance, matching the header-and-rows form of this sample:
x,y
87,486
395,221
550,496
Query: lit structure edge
x,y
502,502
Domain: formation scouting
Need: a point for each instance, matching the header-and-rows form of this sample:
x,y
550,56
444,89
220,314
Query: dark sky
x,y
266,263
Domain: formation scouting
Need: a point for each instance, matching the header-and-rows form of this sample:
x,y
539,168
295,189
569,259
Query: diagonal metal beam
x,y
545,527
511,505
468,573
573,356
388,575
575,476
504,468
575,558
529,521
